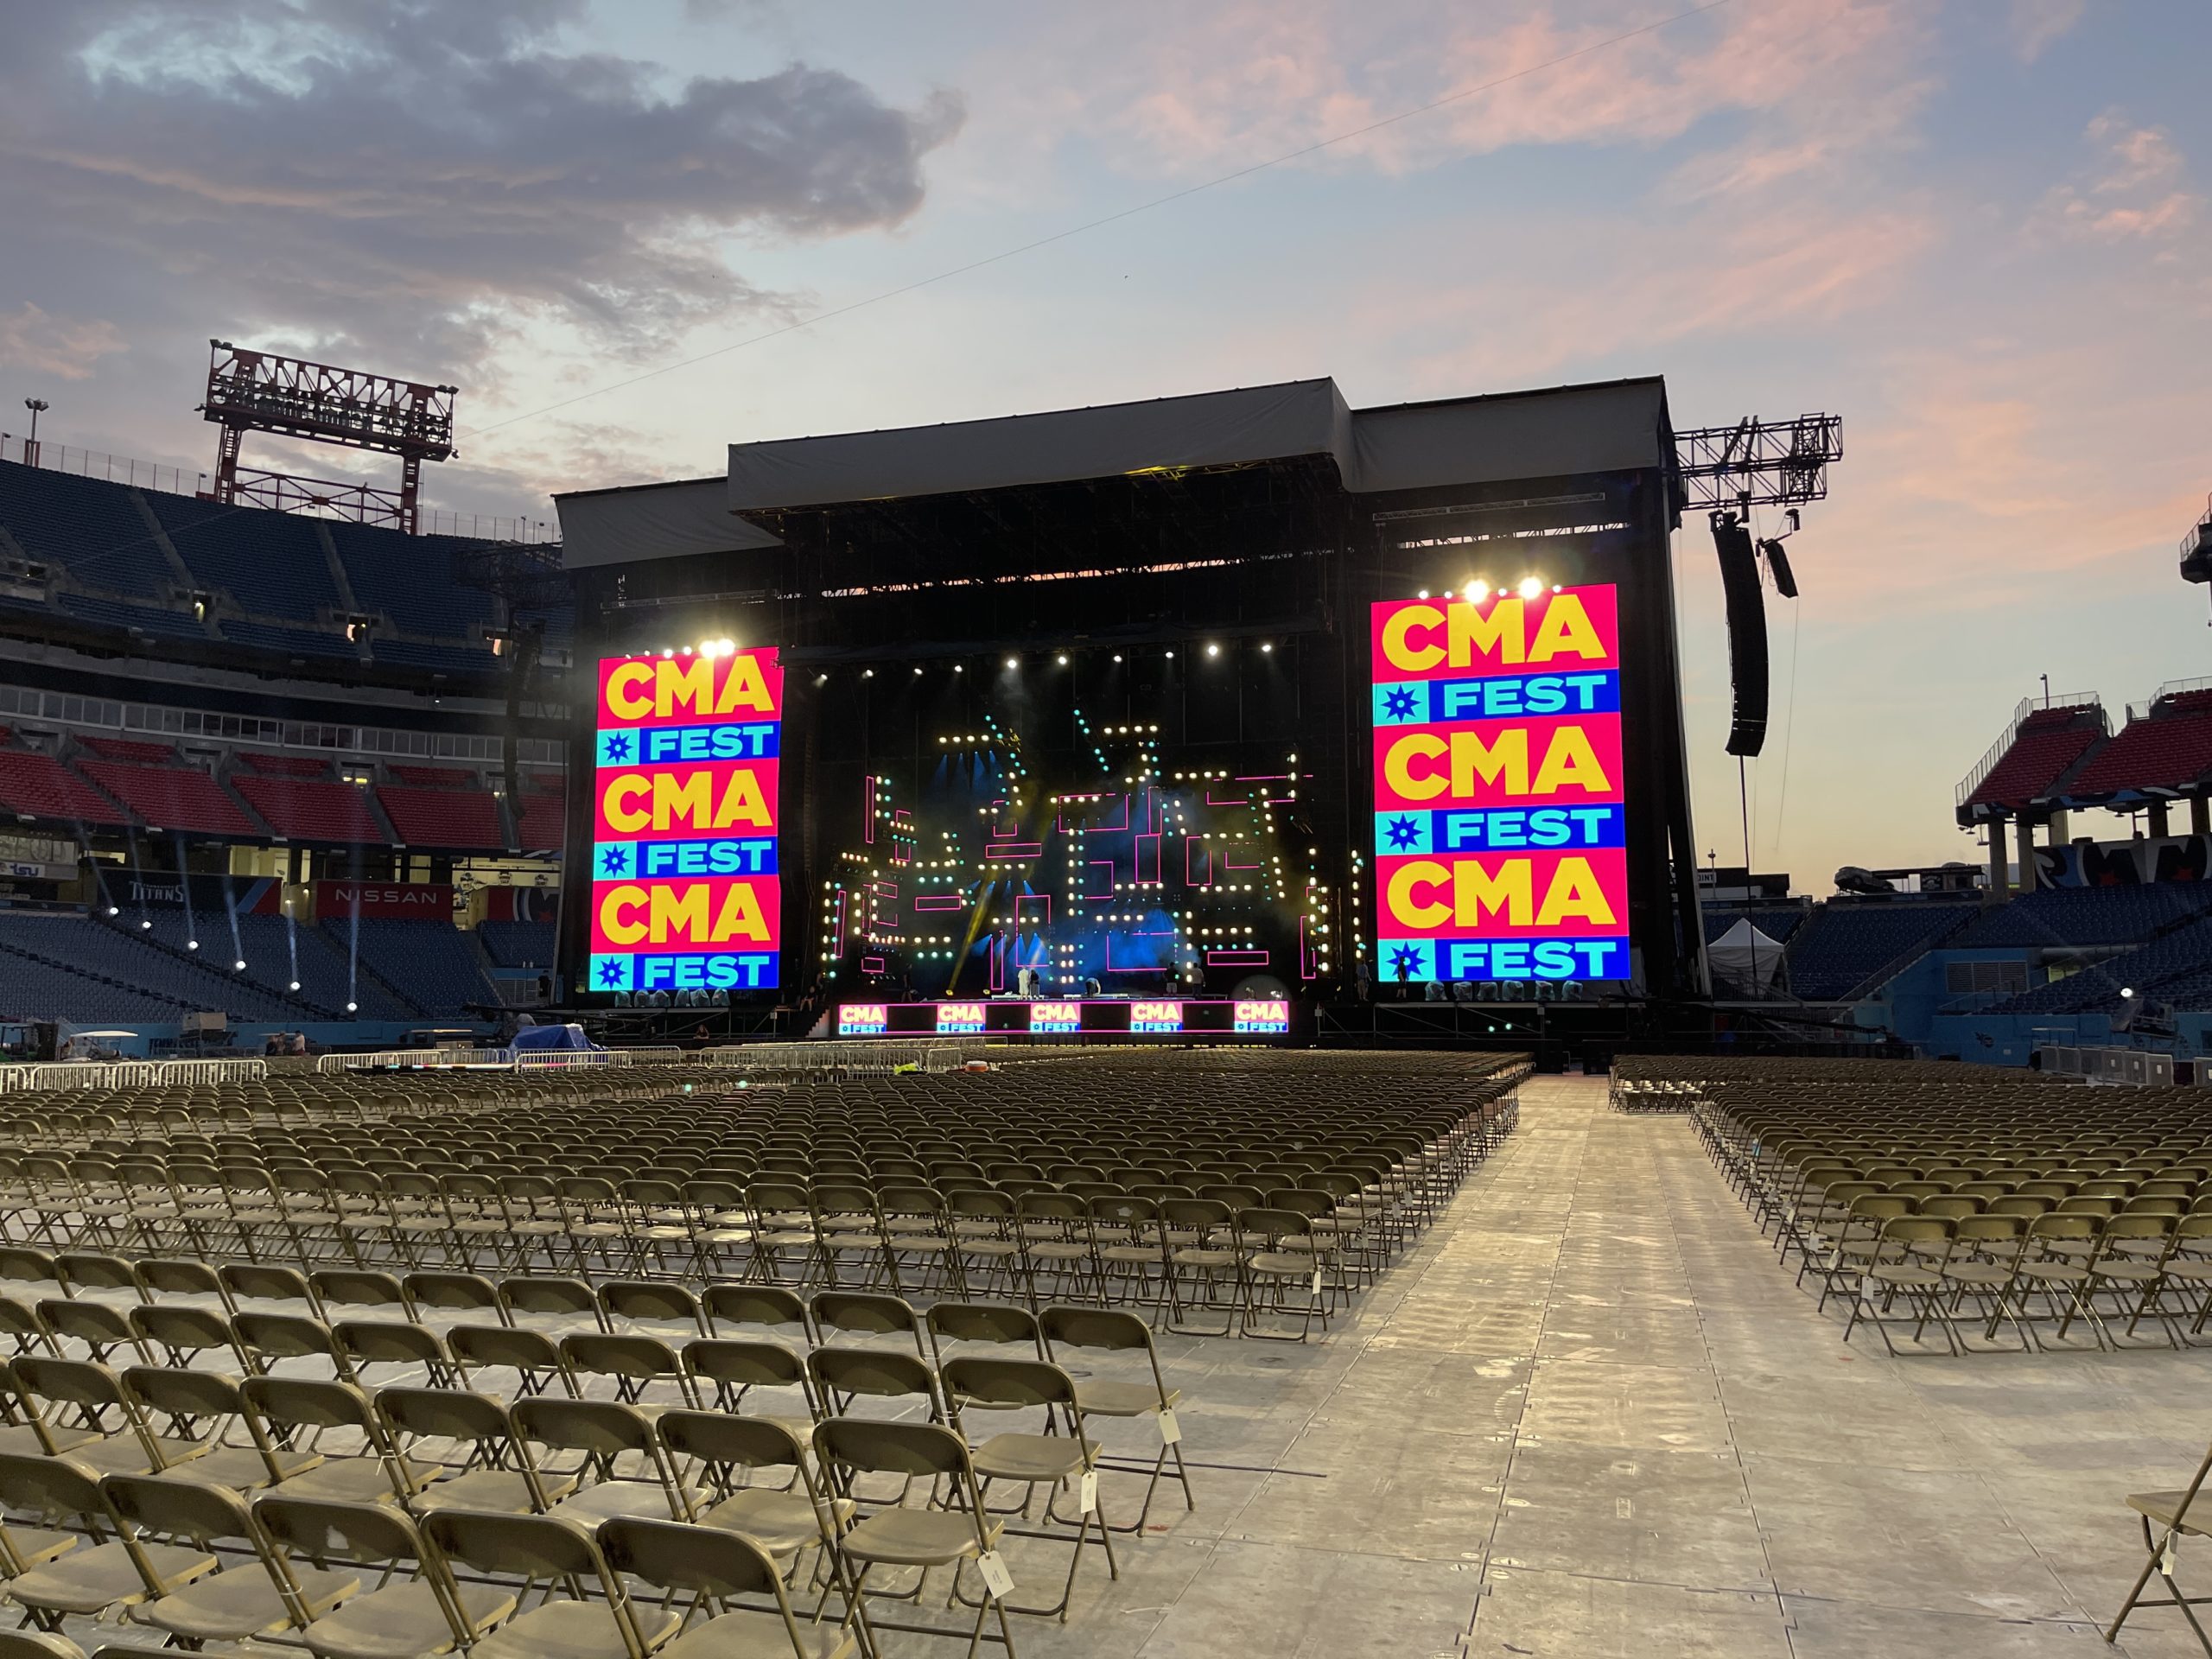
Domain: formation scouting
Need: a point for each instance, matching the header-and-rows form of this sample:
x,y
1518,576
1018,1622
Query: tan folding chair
x,y
2166,1519
948,1528
543,1553
714,1567
1060,1457
425,1614
256,1597
1145,1394
86,1581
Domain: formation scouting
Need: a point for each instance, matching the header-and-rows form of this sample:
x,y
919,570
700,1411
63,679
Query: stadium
x,y
1094,891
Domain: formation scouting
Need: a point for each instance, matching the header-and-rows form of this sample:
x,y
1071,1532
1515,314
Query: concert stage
x,y
1164,1019
1248,696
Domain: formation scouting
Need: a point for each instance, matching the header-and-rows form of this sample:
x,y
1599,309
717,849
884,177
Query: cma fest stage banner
x,y
1500,823
685,889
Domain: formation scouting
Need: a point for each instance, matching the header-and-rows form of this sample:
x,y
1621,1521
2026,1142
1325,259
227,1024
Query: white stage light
x,y
1531,586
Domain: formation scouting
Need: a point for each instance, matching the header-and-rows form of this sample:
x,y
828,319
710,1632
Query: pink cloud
x,y
2136,189
63,346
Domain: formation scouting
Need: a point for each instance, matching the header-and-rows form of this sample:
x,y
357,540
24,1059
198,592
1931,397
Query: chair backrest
x,y
649,1299
197,1509
164,1276
994,1322
526,1352
769,1304
722,1437
744,1364
866,1315
878,1373
604,1428
455,1292
1103,1328
175,1391
564,1297
308,1402
536,1547
871,1446
1008,1382
263,1282
697,1561
360,1288
53,1487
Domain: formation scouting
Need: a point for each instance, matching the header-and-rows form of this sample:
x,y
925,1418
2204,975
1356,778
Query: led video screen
x,y
686,890
1500,822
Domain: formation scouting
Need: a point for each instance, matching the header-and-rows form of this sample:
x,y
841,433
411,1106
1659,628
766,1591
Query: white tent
x,y
1746,956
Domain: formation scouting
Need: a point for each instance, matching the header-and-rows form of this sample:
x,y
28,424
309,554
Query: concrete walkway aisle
x,y
1590,1416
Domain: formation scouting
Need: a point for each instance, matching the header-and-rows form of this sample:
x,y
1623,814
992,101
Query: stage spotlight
x,y
192,944
295,985
867,673
917,672
112,910
822,679
1117,656
1062,659
353,1007
1478,592
957,669
239,965
1266,648
1171,656
1213,651
1531,586
145,923
1012,663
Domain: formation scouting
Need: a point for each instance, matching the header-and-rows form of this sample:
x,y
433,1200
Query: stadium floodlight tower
x,y
261,391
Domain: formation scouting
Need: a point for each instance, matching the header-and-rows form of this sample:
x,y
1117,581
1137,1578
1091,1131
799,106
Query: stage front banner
x,y
686,893
1500,816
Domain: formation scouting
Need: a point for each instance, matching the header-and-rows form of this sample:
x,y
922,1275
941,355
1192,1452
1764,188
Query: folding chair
x,y
202,1409
714,1568
2171,1514
609,1438
258,1597
950,1529
725,1451
1053,1459
544,1550
90,1578
496,1472
428,1613
850,1312
1111,1331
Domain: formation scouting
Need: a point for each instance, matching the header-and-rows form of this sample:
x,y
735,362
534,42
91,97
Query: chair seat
x,y
401,1623
638,1499
780,1522
125,1454
36,1545
1282,1264
1033,1457
242,1601
1905,1278
351,1480
1205,1258
86,1581
2161,1507
241,1468
1977,1272
1106,1398
574,1630
2131,1273
914,1538
759,1636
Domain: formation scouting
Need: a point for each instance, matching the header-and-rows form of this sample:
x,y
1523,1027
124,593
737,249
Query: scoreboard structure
x,y
1501,811
686,883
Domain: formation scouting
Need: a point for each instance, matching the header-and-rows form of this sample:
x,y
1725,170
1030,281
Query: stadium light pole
x,y
37,406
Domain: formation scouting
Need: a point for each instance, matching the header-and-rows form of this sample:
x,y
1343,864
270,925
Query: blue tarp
x,y
535,1039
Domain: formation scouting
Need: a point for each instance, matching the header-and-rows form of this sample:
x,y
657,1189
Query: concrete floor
x,y
1590,1416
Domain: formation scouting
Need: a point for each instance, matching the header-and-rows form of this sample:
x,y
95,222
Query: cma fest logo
x,y
686,893
1500,823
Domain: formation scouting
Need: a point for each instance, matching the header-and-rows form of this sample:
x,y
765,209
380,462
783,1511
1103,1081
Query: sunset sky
x,y
1975,229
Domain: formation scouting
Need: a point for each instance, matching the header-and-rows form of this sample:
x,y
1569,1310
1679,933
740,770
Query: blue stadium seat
x,y
434,963
271,563
1840,944
517,944
2088,916
87,526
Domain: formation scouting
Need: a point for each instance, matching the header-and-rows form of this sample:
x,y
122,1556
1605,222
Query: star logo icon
x,y
618,746
1398,703
610,975
1405,961
614,862
1403,833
